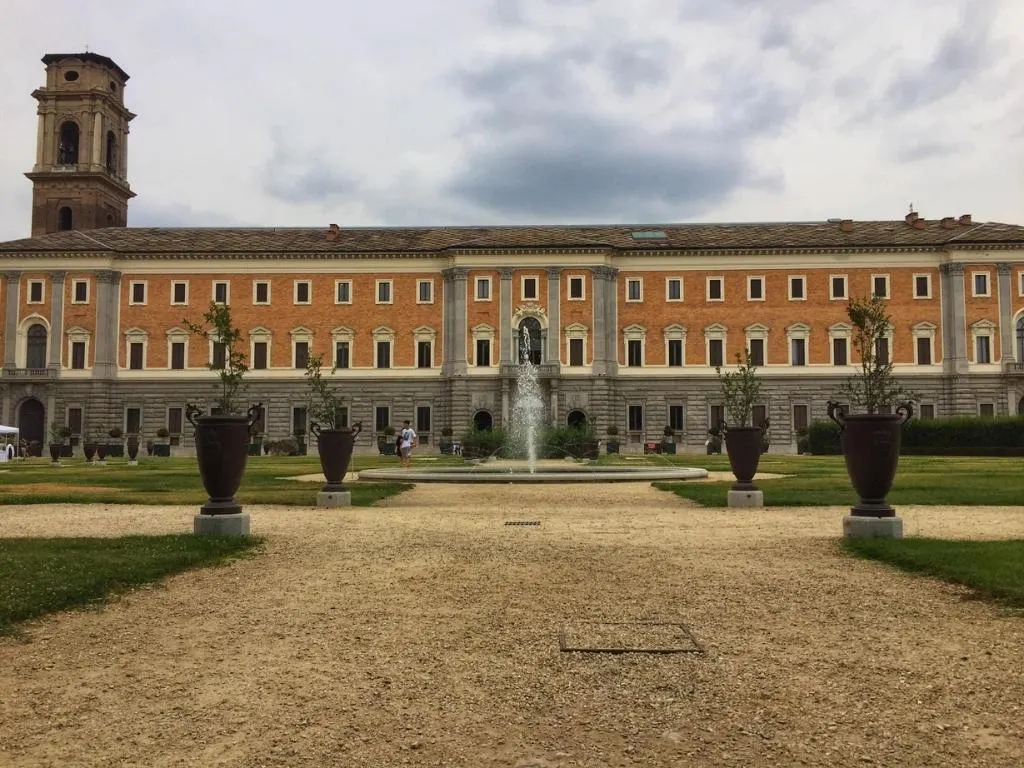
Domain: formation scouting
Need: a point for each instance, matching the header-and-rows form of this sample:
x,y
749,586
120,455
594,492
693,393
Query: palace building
x,y
423,323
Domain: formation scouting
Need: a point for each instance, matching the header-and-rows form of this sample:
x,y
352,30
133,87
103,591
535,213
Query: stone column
x,y
1007,349
97,139
56,321
611,328
554,403
597,332
11,319
505,403
506,334
50,140
455,320
954,323
447,321
108,303
552,350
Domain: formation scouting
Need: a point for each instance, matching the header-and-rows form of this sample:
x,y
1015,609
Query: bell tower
x,y
80,178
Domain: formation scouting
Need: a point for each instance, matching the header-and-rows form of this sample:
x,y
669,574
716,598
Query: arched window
x,y
67,147
1020,340
529,340
35,356
65,219
482,421
111,152
577,420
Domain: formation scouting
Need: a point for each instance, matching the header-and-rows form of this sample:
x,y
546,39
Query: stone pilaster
x,y
11,318
455,280
1007,349
605,320
506,334
56,320
551,349
108,303
954,322
597,332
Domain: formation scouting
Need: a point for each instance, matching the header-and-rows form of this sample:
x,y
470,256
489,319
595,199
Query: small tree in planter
x,y
222,437
447,444
335,441
612,446
741,389
162,446
668,443
115,447
386,442
89,446
56,442
871,440
132,448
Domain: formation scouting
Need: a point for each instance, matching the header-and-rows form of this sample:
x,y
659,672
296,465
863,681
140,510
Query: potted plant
x,y
222,436
132,446
447,444
115,447
162,446
668,444
334,440
101,451
255,441
613,439
871,440
386,441
741,389
56,442
89,446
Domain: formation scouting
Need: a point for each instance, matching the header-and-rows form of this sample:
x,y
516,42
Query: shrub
x,y
482,443
823,438
115,432
953,436
559,442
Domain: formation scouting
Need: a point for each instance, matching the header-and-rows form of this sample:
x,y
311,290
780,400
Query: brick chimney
x,y
965,220
911,217
918,223
333,232
948,222
846,225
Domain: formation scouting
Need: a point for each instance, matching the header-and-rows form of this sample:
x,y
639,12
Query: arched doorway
x,y
1020,339
577,420
35,350
1020,407
482,420
31,422
529,329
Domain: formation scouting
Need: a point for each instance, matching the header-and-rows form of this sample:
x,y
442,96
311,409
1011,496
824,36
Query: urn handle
x,y
837,413
192,413
314,429
906,410
357,427
254,413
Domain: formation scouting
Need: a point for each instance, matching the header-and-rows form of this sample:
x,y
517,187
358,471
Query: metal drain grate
x,y
627,637
522,522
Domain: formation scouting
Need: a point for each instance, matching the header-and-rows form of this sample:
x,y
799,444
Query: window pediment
x,y
798,328
675,330
757,328
301,332
342,333
924,326
383,333
983,325
840,328
424,332
715,328
576,328
260,332
136,334
78,333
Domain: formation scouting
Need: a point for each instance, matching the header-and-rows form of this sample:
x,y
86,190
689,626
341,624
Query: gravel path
x,y
424,632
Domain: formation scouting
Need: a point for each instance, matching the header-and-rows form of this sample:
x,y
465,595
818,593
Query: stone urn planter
x,y
132,446
743,445
335,448
89,449
871,449
55,452
101,452
222,443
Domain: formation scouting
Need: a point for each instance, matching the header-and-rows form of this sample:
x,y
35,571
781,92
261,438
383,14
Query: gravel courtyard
x,y
424,632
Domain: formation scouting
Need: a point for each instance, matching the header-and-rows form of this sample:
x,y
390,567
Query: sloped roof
x,y
142,241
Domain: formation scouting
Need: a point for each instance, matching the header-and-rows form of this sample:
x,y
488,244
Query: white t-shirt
x,y
408,435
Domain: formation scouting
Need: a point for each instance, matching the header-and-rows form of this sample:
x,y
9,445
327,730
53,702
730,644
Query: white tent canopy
x,y
8,430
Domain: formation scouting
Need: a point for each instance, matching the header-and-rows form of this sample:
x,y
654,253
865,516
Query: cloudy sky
x,y
402,112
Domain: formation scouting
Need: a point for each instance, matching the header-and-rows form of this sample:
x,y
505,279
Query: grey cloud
x,y
912,152
303,176
631,66
147,213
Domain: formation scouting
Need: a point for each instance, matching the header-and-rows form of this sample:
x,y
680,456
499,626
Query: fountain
x,y
528,408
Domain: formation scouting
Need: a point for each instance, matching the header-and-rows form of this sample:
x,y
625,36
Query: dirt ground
x,y
424,632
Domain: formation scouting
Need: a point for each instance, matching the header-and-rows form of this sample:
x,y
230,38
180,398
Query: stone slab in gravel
x,y
424,632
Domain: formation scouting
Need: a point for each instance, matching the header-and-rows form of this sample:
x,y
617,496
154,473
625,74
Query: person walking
x,y
407,444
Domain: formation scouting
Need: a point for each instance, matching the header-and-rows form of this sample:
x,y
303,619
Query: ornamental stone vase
x,y
335,448
222,442
744,448
871,448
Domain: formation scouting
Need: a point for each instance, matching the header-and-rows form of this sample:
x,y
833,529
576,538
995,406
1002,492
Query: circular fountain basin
x,y
574,473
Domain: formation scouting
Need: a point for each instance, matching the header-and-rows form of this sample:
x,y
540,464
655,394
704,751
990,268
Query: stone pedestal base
x,y
745,499
221,525
872,527
133,463
334,499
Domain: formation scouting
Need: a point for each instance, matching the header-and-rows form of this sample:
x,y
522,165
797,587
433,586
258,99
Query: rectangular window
x,y
882,351
837,287
341,416
980,283
798,351
880,286
259,355
179,292
341,354
634,353
575,352
483,352
78,355
529,288
299,419
80,292
676,414
178,355
138,292
757,351
674,289
220,292
927,411
343,292
135,350
924,350
675,352
576,289
175,419
75,421
132,421
717,416
302,292
922,286
716,289
796,288
983,346
219,353
636,418
986,410
261,292
383,354
425,291
799,418
424,354
755,289
423,419
715,355
483,289
758,415
384,292
634,289
839,351
301,353
381,417
35,292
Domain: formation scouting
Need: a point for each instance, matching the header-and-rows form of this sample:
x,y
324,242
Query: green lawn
x,y
39,576
176,481
994,569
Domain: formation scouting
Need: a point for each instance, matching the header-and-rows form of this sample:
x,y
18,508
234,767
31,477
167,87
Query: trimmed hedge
x,y
554,443
952,436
